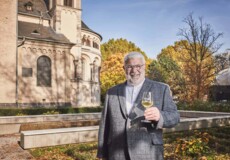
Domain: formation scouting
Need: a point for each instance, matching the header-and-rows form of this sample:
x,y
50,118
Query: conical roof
x,y
85,27
223,77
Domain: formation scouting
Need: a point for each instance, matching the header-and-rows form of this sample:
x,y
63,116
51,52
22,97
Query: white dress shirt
x,y
131,93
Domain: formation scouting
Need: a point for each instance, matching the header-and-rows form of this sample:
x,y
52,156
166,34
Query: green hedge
x,y
195,106
40,111
205,106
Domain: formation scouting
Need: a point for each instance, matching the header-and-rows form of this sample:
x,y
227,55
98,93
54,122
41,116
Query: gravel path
x,y
11,150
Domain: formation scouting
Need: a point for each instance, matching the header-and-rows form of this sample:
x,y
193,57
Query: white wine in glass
x,y
147,99
147,102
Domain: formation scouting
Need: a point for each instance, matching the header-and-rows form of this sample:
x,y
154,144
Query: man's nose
x,y
134,69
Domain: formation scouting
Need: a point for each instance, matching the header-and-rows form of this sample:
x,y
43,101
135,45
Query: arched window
x,y
44,71
83,41
88,42
95,45
68,3
47,2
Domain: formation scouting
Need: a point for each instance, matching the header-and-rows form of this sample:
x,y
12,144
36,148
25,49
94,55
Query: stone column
x,y
91,72
77,69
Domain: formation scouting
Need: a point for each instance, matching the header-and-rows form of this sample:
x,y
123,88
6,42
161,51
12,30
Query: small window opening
x,y
35,32
68,3
29,6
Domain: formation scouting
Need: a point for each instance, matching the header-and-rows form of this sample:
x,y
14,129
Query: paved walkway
x,y
10,149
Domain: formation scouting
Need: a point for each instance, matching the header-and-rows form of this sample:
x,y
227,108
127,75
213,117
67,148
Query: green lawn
x,y
205,144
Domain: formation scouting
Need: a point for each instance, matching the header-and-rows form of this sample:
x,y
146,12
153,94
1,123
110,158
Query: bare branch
x,y
200,42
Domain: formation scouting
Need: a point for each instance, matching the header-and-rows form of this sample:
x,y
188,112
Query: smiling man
x,y
123,135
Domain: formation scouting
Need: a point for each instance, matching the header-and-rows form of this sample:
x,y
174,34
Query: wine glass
x,y
147,101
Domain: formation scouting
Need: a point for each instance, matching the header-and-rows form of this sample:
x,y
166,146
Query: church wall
x,y
90,95
65,87
36,20
68,22
88,89
91,83
85,93
59,91
77,4
68,25
8,39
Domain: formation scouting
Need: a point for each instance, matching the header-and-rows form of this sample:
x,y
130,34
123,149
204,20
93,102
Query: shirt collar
x,y
136,86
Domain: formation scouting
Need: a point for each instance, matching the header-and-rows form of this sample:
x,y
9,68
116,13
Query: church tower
x,y
66,19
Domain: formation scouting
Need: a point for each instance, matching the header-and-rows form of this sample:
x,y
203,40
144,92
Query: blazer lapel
x,y
122,100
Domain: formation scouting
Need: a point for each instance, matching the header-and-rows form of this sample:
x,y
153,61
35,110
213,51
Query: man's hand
x,y
152,114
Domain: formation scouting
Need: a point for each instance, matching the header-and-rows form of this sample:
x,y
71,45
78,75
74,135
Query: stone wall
x,y
29,90
8,39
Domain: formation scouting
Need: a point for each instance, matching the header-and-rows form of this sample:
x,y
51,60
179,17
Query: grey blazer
x,y
121,135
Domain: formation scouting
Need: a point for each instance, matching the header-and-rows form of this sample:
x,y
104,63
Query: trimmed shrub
x,y
205,106
40,111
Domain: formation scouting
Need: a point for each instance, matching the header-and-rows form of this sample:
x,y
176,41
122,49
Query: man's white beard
x,y
135,81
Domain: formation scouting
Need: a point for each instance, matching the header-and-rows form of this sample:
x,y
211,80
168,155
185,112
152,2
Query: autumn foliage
x,y
188,66
112,72
197,71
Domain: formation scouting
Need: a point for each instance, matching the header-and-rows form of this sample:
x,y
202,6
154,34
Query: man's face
x,y
135,71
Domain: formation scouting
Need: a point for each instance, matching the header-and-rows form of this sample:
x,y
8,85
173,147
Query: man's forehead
x,y
134,60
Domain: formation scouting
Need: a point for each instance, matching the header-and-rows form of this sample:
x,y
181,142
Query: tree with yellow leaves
x,y
114,46
112,72
200,43
198,75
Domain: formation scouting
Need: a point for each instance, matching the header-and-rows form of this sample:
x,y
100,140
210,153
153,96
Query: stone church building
x,y
49,56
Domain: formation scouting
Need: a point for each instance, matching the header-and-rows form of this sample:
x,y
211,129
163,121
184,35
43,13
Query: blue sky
x,y
154,24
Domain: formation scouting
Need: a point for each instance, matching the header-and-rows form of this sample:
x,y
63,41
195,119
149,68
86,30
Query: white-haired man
x,y
122,134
